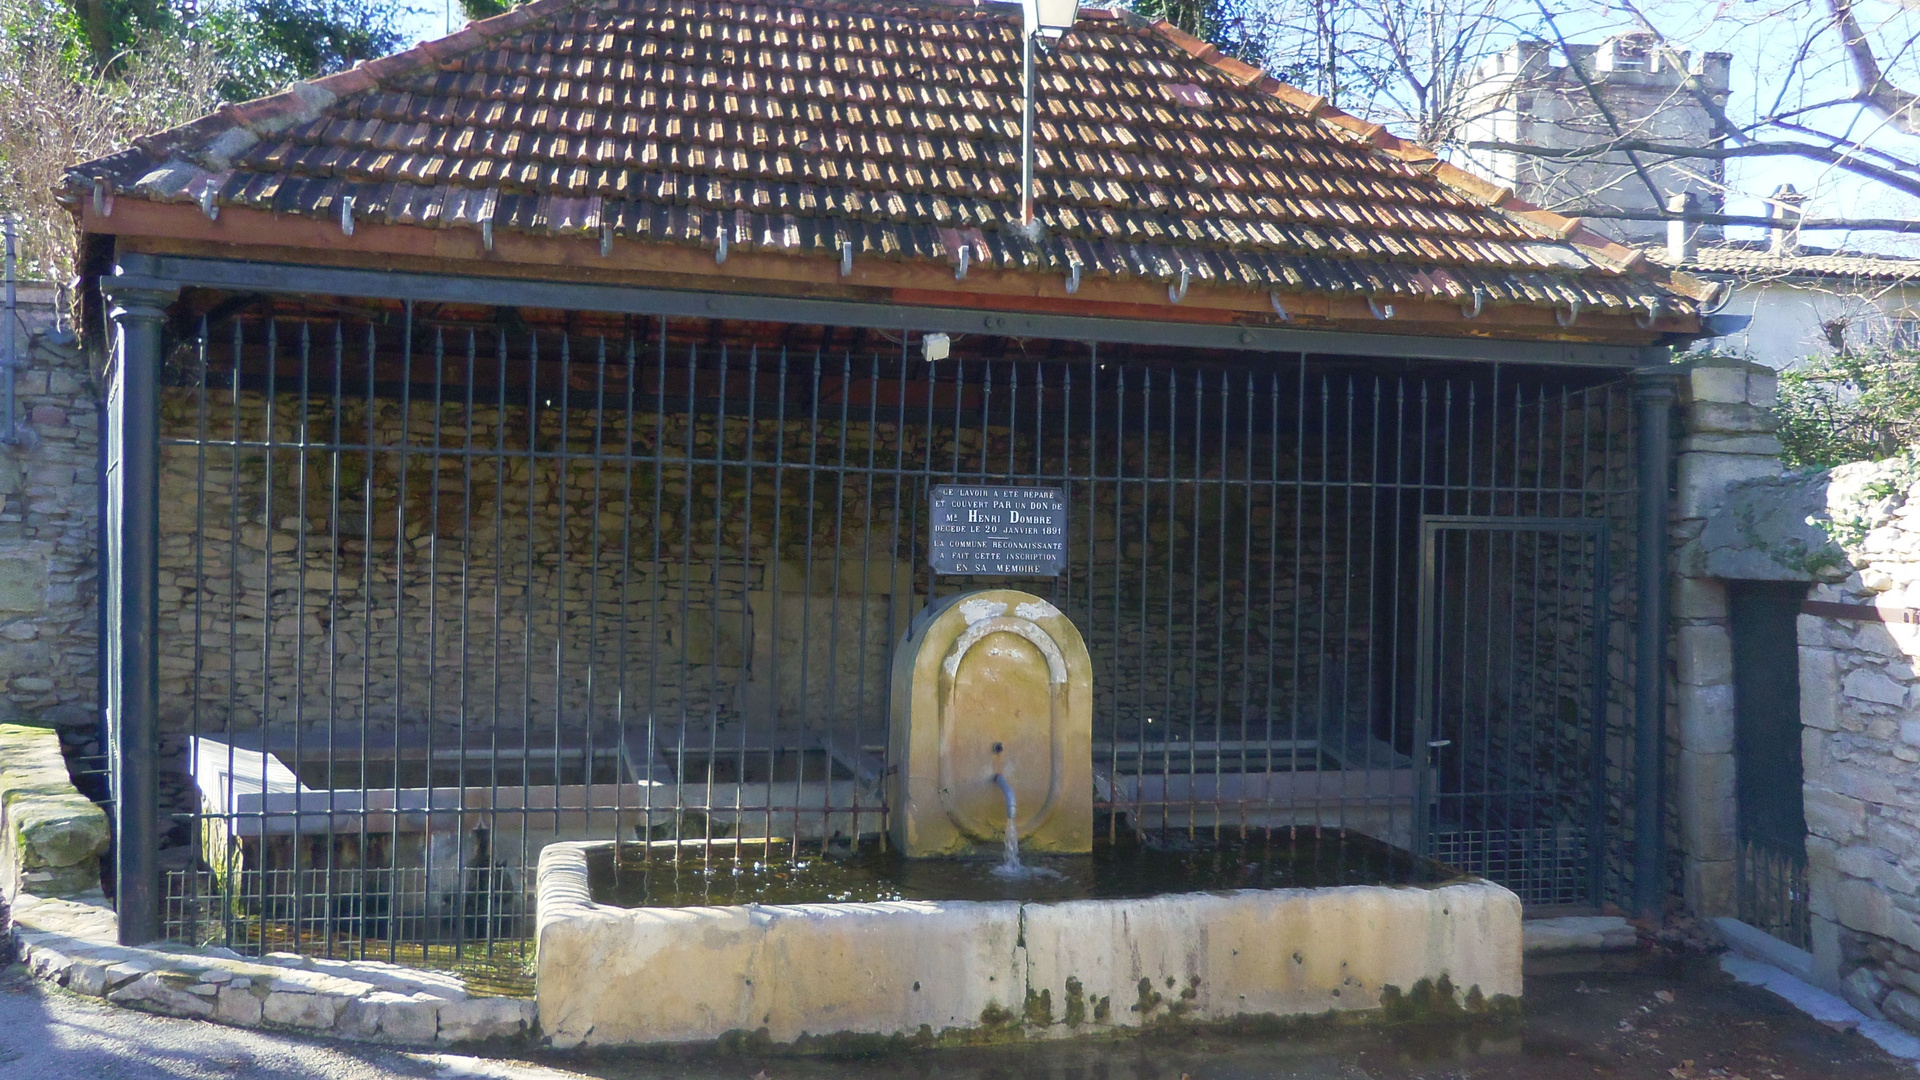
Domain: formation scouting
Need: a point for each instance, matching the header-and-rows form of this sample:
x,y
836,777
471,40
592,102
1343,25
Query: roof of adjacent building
x,y
1755,260
799,127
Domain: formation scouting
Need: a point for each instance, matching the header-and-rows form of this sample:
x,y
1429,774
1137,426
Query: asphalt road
x,y
1623,1018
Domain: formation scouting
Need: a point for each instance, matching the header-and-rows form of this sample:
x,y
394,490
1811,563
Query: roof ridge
x,y
1623,258
212,138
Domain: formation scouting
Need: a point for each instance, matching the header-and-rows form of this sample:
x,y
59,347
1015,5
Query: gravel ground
x,y
1632,1018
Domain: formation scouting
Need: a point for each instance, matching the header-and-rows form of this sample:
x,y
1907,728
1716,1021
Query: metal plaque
x,y
979,529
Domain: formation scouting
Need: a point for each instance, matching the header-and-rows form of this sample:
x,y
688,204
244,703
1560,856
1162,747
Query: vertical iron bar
x,y
133,534
1654,392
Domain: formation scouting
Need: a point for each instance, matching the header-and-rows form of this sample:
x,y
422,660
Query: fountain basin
x,y
969,970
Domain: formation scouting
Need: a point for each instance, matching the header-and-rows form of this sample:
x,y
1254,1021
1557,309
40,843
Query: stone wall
x,y
348,586
49,521
1727,437
1854,534
1858,683
359,563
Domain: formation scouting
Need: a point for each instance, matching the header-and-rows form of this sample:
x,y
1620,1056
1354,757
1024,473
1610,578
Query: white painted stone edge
x,y
1578,933
71,943
1756,944
1822,1006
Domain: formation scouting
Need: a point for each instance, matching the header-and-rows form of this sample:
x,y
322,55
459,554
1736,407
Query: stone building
x,y
1644,92
535,433
1795,620
1790,304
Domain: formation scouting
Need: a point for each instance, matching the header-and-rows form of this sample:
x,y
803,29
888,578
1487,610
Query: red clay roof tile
x,y
797,124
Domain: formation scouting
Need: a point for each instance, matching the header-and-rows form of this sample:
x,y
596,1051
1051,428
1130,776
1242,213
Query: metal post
x,y
9,354
1654,392
132,484
1026,128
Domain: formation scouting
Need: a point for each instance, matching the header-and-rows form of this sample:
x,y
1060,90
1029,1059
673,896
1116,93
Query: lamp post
x,y
1039,19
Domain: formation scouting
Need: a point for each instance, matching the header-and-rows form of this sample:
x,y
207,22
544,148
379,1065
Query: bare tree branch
x,y
1844,158
1900,107
1893,225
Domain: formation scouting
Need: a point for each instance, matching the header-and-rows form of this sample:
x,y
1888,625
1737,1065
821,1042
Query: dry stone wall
x,y
1860,688
460,575
1854,534
49,519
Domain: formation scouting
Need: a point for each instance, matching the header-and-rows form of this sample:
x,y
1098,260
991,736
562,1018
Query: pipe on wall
x,y
131,578
1655,390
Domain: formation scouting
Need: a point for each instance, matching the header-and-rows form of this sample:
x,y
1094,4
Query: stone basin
x,y
924,972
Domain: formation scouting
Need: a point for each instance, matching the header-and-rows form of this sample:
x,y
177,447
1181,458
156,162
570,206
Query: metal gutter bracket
x,y
1177,293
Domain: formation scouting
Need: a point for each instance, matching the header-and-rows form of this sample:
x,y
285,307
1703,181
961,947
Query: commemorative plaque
x,y
998,530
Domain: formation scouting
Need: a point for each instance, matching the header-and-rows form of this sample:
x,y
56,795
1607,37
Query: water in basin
x,y
1123,866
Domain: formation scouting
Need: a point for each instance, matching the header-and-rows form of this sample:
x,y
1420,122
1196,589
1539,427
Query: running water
x,y
1010,864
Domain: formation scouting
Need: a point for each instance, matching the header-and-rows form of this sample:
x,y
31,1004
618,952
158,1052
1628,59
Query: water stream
x,y
1010,865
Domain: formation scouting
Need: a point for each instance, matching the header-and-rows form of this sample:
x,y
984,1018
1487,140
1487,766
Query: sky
x,y
1763,36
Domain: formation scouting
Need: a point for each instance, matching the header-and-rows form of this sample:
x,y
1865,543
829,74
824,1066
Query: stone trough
x,y
990,746
944,971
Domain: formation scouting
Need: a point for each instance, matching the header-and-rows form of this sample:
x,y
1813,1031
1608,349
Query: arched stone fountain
x,y
991,725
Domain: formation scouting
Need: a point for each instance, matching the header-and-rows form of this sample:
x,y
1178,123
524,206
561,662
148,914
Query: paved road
x,y
1625,1018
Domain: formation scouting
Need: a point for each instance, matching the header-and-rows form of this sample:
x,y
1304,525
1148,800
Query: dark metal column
x,y
1654,392
130,580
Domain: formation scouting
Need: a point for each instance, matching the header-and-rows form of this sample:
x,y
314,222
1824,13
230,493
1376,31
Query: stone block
x,y
1704,478
721,638
484,1018
301,1009
1864,784
1699,598
1710,886
1819,687
164,993
1705,655
1733,418
23,583
238,1005
1902,1007
407,1019
1705,787
1706,719
1871,684
1578,933
51,836
1864,989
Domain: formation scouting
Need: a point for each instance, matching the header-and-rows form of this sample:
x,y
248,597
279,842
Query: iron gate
x,y
1514,626
440,585
1770,867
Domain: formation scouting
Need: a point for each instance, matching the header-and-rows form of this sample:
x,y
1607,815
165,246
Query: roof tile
x,y
895,127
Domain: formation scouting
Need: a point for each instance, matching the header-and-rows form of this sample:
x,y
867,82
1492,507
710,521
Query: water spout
x,y
1010,863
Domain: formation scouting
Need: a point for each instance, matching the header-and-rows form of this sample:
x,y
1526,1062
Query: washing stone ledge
x,y
1578,933
72,943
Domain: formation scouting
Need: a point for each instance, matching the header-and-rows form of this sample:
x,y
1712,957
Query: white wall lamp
x,y
1042,22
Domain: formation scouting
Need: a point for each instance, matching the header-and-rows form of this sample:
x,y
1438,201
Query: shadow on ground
x,y
1626,1016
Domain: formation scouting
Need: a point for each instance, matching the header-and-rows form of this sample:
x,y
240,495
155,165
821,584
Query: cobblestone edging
x,y
70,943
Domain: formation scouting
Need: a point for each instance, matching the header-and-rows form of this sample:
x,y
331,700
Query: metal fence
x,y
440,586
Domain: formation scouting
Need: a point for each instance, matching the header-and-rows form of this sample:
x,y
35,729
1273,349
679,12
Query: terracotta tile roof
x,y
804,126
1753,261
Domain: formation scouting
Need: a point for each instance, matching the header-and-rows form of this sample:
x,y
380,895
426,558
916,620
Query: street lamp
x,y
1049,19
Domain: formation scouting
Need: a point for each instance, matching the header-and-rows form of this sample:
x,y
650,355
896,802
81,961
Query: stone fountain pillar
x,y
986,683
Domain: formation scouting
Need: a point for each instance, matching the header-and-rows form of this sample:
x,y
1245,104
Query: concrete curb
x,y
71,943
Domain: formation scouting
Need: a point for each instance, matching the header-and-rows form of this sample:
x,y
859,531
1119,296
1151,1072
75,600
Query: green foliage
x,y
1853,407
485,9
1240,28
270,43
